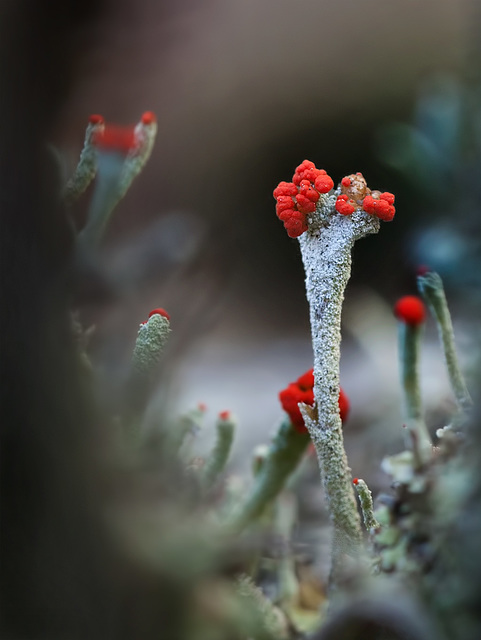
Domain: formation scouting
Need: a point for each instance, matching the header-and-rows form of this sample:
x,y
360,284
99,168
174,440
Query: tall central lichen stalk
x,y
326,236
326,254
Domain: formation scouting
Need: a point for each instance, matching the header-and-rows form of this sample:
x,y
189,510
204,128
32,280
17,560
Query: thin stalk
x,y
409,350
326,254
284,454
431,287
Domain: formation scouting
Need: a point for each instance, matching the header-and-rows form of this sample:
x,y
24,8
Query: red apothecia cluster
x,y
410,310
355,193
160,312
296,199
115,138
302,390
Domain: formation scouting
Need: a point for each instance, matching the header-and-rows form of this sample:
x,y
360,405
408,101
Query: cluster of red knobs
x,y
302,390
297,199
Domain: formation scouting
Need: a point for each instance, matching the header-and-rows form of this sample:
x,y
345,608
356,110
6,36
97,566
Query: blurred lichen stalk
x,y
396,564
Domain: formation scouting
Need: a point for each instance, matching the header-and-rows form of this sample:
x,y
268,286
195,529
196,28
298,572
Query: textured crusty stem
x,y
326,253
367,507
87,165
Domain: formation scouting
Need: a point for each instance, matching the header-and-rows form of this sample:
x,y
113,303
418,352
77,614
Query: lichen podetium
x,y
327,223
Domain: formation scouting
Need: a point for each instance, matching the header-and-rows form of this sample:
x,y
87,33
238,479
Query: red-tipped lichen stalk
x,y
327,233
431,287
217,459
121,153
411,313
87,164
152,337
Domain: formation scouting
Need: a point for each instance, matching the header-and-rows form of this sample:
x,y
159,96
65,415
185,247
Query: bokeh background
x,y
245,90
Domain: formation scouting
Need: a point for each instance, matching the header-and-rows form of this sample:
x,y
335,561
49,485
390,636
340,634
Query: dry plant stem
x,y
432,290
326,253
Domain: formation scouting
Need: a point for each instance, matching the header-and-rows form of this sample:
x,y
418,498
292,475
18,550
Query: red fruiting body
x,y
324,183
344,205
346,182
202,407
160,312
304,204
302,390
285,189
95,118
388,197
148,118
410,310
114,138
285,202
422,270
381,208
224,415
355,481
344,405
294,226
306,381
297,199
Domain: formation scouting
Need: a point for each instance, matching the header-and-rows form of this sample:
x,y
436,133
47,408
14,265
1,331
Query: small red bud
x,y
95,118
355,481
160,312
224,415
410,310
148,117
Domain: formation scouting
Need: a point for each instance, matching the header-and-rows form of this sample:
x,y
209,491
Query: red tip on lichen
x,y
355,481
324,183
302,390
344,405
297,199
346,182
114,138
344,205
160,312
95,118
410,310
381,207
422,270
224,415
202,407
148,117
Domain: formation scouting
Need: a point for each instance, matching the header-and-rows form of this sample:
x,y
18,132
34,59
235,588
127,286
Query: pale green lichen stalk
x,y
217,459
283,456
431,287
409,348
367,507
87,165
116,171
151,339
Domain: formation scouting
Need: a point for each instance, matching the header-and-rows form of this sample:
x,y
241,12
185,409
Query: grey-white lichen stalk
x,y
326,253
